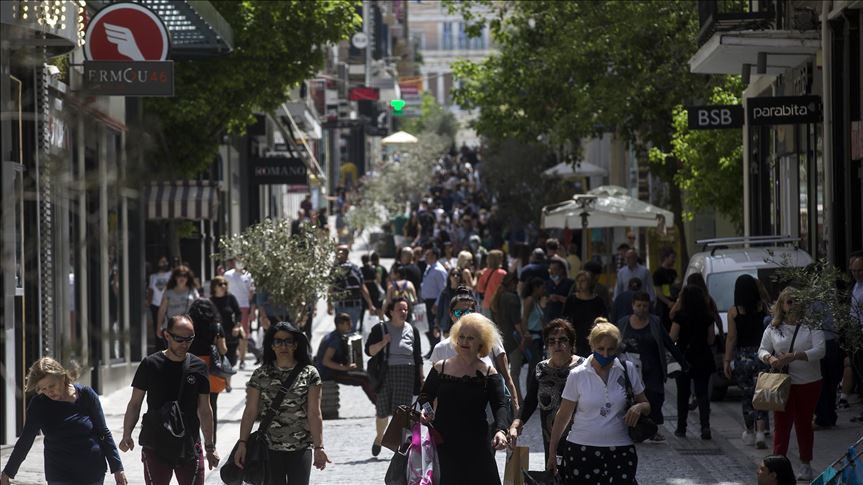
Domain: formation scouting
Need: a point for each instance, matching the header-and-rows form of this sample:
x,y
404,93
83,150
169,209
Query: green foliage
x,y
433,119
817,293
292,269
710,165
395,183
277,45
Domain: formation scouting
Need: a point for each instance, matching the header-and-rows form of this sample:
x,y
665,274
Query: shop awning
x,y
183,199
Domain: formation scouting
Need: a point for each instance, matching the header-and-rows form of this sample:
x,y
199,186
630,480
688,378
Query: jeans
x,y
356,313
290,467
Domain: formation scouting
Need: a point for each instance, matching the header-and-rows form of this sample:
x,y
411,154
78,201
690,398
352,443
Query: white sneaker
x,y
748,438
760,440
805,474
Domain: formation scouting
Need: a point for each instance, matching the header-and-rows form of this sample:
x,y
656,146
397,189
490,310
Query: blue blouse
x,y
77,439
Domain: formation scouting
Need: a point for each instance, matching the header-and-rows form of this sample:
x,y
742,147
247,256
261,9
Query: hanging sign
x,y
715,117
126,46
279,171
783,110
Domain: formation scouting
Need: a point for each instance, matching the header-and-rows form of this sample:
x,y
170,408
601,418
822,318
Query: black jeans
x,y
684,390
831,373
290,467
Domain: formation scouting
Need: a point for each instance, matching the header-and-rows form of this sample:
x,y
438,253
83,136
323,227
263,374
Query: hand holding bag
x,y
255,467
773,388
645,428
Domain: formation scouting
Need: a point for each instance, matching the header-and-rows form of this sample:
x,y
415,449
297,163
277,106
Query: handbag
x,y
517,460
379,364
220,366
645,428
168,427
404,418
255,468
773,388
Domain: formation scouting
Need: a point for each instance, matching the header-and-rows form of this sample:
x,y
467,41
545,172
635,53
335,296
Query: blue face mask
x,y
603,360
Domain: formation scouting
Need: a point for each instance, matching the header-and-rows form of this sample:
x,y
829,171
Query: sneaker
x,y
760,440
805,474
749,437
658,438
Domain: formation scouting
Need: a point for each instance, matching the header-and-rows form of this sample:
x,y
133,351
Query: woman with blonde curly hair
x,y
803,365
77,441
463,386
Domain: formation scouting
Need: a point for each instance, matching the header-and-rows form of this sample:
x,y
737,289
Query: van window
x,y
721,285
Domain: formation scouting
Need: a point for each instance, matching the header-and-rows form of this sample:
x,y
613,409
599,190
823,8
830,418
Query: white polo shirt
x,y
445,350
584,386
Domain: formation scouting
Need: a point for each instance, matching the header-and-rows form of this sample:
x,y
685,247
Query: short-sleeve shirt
x,y
401,350
240,285
600,408
179,301
290,428
158,283
336,341
159,377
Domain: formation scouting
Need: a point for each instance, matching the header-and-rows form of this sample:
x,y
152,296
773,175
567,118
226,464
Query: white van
x,y
723,260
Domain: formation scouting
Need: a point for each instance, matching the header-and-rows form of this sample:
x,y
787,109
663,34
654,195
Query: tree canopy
x,y
569,70
277,45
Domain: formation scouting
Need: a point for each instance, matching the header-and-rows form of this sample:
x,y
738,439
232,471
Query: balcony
x,y
738,32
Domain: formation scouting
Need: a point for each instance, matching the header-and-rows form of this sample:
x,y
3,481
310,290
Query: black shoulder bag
x,y
255,468
379,364
645,428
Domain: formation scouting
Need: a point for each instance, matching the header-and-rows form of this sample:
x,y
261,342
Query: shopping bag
x,y
516,461
421,320
422,461
397,469
771,391
404,418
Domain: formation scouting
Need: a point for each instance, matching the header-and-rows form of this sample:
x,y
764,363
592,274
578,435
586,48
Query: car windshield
x,y
721,285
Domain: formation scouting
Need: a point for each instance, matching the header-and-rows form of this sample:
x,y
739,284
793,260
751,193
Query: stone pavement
x,y
723,460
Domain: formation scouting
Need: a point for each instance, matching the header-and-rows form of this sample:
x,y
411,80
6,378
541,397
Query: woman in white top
x,y
598,448
803,363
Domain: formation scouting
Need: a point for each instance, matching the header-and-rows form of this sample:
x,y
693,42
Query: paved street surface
x,y
724,460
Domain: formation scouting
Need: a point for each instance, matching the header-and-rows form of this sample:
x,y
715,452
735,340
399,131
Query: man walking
x,y
177,388
434,282
348,292
240,285
333,363
634,269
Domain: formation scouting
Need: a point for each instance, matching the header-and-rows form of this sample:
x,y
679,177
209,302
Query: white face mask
x,y
239,265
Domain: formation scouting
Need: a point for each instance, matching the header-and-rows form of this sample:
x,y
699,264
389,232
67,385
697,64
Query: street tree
x,y
293,269
276,46
569,70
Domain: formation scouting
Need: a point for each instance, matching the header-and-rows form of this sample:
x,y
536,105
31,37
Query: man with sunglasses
x,y
159,377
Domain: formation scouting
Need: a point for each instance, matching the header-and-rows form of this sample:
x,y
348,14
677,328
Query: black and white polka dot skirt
x,y
583,464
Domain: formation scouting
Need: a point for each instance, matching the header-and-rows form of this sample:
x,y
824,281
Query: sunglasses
x,y
221,284
181,340
561,340
283,342
461,313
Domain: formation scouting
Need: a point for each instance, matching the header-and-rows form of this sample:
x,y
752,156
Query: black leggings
x,y
290,467
214,397
702,395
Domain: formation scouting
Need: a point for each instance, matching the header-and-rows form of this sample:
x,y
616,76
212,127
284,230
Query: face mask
x,y
603,360
239,265
555,278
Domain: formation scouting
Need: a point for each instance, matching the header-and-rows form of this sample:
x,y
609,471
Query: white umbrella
x,y
399,138
581,169
605,206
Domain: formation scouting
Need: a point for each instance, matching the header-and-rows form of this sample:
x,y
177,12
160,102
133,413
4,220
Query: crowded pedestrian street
x,y
427,242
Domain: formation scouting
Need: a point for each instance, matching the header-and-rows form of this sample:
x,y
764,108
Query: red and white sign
x,y
126,32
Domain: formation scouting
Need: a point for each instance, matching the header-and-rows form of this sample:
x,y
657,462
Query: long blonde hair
x,y
45,367
464,259
779,313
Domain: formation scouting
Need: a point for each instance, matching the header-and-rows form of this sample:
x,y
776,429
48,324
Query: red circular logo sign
x,y
126,32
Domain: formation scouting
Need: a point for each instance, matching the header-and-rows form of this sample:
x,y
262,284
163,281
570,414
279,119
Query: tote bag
x,y
773,388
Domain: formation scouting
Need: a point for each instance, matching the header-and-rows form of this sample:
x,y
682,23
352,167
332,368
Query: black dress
x,y
465,455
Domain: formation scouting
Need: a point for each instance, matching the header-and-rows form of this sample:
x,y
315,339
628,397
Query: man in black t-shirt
x,y
159,377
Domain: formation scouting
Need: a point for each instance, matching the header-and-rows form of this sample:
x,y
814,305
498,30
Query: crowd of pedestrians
x,y
490,303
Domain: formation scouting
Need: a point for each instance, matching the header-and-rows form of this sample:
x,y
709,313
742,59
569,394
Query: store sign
x,y
783,110
122,78
279,171
126,47
715,117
